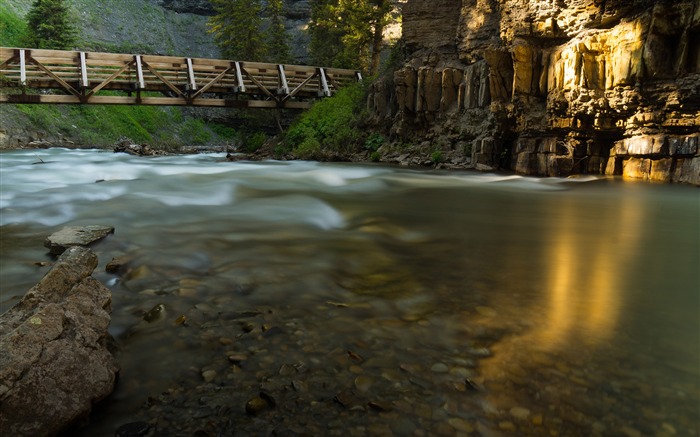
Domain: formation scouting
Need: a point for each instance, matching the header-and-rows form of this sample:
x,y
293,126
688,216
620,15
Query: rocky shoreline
x,y
56,361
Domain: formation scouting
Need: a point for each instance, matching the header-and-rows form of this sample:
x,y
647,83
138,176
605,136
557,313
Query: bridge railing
x,y
80,77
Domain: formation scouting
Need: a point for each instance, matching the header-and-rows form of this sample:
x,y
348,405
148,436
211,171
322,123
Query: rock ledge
x,y
55,363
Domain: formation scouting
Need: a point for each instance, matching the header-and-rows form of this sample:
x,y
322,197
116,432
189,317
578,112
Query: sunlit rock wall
x,y
553,87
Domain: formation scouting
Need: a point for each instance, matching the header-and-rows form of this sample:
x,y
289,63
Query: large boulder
x,y
55,363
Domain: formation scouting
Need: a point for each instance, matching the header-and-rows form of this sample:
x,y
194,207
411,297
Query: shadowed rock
x,y
55,363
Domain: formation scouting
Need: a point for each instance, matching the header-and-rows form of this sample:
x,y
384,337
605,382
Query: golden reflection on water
x,y
583,288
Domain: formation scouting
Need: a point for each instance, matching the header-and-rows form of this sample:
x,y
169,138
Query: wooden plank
x,y
150,101
48,53
101,57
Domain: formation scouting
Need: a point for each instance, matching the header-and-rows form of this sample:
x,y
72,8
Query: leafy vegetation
x,y
49,25
330,126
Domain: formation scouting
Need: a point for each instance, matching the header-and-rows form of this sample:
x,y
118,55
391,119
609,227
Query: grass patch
x,y
103,125
13,29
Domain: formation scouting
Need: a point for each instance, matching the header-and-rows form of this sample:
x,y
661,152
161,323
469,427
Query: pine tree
x,y
49,25
326,32
237,29
348,33
276,36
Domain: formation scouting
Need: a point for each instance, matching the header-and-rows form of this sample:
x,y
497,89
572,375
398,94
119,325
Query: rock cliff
x,y
551,87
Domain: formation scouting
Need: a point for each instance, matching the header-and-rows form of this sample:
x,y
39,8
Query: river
x,y
375,300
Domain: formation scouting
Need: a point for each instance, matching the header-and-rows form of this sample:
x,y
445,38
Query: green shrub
x,y
436,157
310,148
253,142
330,125
374,142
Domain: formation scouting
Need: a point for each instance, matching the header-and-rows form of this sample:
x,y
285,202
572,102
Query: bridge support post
x,y
22,68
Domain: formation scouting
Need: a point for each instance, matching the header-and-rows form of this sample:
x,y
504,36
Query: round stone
x,y
520,413
440,368
209,375
255,405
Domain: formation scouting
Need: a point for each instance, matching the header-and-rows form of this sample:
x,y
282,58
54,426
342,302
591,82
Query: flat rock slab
x,y
71,236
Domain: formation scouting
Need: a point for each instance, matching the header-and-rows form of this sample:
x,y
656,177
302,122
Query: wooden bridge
x,y
69,77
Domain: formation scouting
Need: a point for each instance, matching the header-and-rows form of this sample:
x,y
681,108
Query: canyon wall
x,y
551,87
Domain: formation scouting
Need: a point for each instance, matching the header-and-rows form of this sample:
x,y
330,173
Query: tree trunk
x,y
378,37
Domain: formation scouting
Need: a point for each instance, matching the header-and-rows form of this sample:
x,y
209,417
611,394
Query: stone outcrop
x,y
55,363
70,236
547,87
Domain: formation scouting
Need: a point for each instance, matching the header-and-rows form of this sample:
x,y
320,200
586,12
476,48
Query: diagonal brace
x,y
259,85
164,80
53,76
109,79
210,84
300,86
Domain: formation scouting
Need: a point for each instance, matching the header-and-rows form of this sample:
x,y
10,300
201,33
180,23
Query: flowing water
x,y
371,300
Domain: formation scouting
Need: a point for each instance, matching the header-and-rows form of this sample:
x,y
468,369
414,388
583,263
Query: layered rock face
x,y
553,87
55,363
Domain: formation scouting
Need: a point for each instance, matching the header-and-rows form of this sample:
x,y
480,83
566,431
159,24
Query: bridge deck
x,y
123,79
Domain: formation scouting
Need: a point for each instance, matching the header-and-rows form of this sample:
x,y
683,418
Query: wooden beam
x,y
239,78
323,84
139,73
192,84
22,68
284,86
83,71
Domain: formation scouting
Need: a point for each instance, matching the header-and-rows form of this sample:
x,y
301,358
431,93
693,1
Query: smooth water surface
x,y
437,302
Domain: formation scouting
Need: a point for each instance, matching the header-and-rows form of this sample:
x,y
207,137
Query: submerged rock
x,y
70,236
55,363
